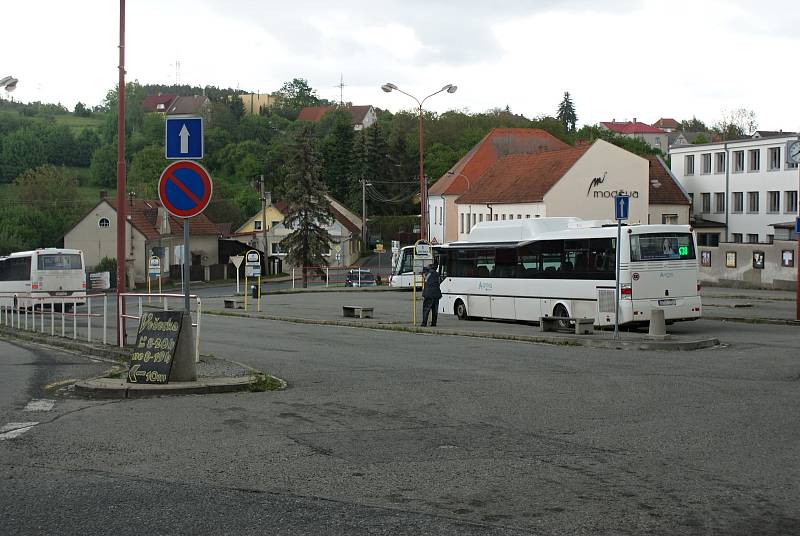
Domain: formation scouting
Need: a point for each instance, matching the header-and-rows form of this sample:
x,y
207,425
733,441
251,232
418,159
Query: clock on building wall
x,y
793,151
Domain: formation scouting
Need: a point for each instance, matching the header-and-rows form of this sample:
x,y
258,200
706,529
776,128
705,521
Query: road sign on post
x,y
184,190
236,260
252,268
621,206
184,138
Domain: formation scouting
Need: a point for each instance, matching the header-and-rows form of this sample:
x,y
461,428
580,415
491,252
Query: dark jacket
x,y
432,281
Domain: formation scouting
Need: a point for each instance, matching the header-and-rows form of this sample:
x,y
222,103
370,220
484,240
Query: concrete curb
x,y
774,321
670,345
119,388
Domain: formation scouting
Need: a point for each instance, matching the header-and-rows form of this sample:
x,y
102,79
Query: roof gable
x,y
631,127
499,142
664,189
523,178
143,215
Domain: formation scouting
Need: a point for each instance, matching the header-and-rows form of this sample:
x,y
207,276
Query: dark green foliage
x,y
22,149
566,113
81,110
339,167
145,170
590,133
307,207
103,166
108,264
701,138
692,125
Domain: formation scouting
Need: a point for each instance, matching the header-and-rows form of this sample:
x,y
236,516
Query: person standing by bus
x,y
431,294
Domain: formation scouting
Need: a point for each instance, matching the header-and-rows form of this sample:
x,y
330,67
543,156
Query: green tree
x,y
86,143
103,166
81,110
22,149
692,125
307,207
293,96
737,124
566,113
146,168
337,153
701,138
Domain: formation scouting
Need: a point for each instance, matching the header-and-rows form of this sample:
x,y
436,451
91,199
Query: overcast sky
x,y
619,59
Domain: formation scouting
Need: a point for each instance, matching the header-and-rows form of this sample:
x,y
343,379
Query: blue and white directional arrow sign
x,y
621,205
184,138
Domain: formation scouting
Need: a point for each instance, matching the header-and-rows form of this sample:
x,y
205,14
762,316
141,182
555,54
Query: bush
x,y
108,264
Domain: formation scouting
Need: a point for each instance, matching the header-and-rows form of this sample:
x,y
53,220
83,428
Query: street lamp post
x,y
423,193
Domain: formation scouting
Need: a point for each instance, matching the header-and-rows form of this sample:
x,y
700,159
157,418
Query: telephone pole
x,y
263,219
364,213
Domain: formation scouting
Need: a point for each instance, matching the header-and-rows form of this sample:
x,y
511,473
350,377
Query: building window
x,y
774,158
527,216
519,216
719,202
770,238
737,201
504,217
737,238
752,238
706,203
669,219
720,163
752,202
257,225
790,201
738,161
688,168
103,223
753,160
496,217
462,223
708,239
791,165
480,217
706,158
773,202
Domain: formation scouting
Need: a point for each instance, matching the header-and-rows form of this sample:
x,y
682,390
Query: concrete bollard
x,y
658,328
183,365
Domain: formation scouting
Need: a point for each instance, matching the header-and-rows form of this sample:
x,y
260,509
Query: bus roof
x,y
44,251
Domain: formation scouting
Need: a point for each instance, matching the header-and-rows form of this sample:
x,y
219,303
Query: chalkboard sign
x,y
156,339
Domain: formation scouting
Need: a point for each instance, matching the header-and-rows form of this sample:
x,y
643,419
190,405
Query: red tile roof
x,y
499,142
144,214
664,190
316,113
666,122
151,102
187,105
523,178
631,127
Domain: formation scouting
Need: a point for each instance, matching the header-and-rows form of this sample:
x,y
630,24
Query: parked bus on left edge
x,y
48,276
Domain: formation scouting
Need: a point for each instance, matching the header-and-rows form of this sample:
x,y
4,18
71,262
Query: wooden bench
x,y
583,326
234,303
356,311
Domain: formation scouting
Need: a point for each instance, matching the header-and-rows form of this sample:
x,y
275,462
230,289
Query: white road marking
x,y
40,404
15,429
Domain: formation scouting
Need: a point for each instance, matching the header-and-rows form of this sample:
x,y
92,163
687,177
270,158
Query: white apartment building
x,y
746,185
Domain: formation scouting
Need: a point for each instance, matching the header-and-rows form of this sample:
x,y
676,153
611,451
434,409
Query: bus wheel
x,y
560,310
461,310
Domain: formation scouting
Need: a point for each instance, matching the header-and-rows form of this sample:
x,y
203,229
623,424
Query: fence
x,y
77,318
22,311
164,298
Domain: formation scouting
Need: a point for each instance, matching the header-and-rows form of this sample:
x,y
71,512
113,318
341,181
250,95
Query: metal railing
x,y
196,324
22,311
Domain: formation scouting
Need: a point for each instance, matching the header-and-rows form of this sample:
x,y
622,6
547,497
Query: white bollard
x,y
658,327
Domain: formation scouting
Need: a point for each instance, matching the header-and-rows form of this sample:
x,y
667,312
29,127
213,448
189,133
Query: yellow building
x,y
253,102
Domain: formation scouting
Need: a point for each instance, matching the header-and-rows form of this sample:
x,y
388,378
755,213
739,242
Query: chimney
x,y
103,194
634,119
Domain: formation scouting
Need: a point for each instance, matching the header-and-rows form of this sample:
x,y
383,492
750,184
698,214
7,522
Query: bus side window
x,y
602,257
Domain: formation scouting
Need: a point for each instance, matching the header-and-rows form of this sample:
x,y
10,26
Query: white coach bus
x,y
48,276
565,267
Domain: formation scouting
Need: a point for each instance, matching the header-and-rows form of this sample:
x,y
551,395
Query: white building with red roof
x,y
655,137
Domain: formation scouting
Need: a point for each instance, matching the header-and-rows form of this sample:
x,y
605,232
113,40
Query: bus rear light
x,y
83,285
34,285
626,292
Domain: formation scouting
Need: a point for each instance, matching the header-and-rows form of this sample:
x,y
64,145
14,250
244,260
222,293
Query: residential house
x,y
254,102
149,230
668,124
196,105
363,116
158,103
688,138
345,232
655,137
499,142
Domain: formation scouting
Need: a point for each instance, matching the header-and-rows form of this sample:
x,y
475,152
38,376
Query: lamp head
x,y
450,88
388,87
9,83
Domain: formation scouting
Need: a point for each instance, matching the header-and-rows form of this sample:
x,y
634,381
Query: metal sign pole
x,y
616,292
186,264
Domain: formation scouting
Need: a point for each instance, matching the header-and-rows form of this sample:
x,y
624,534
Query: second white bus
x,y
565,267
43,277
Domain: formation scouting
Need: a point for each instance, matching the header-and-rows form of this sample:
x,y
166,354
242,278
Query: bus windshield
x,y
662,247
60,261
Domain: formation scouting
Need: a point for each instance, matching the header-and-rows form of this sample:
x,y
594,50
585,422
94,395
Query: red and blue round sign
x,y
185,188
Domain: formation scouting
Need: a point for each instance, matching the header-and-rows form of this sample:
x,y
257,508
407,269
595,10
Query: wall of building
x,y
657,212
471,215
724,179
744,274
586,190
